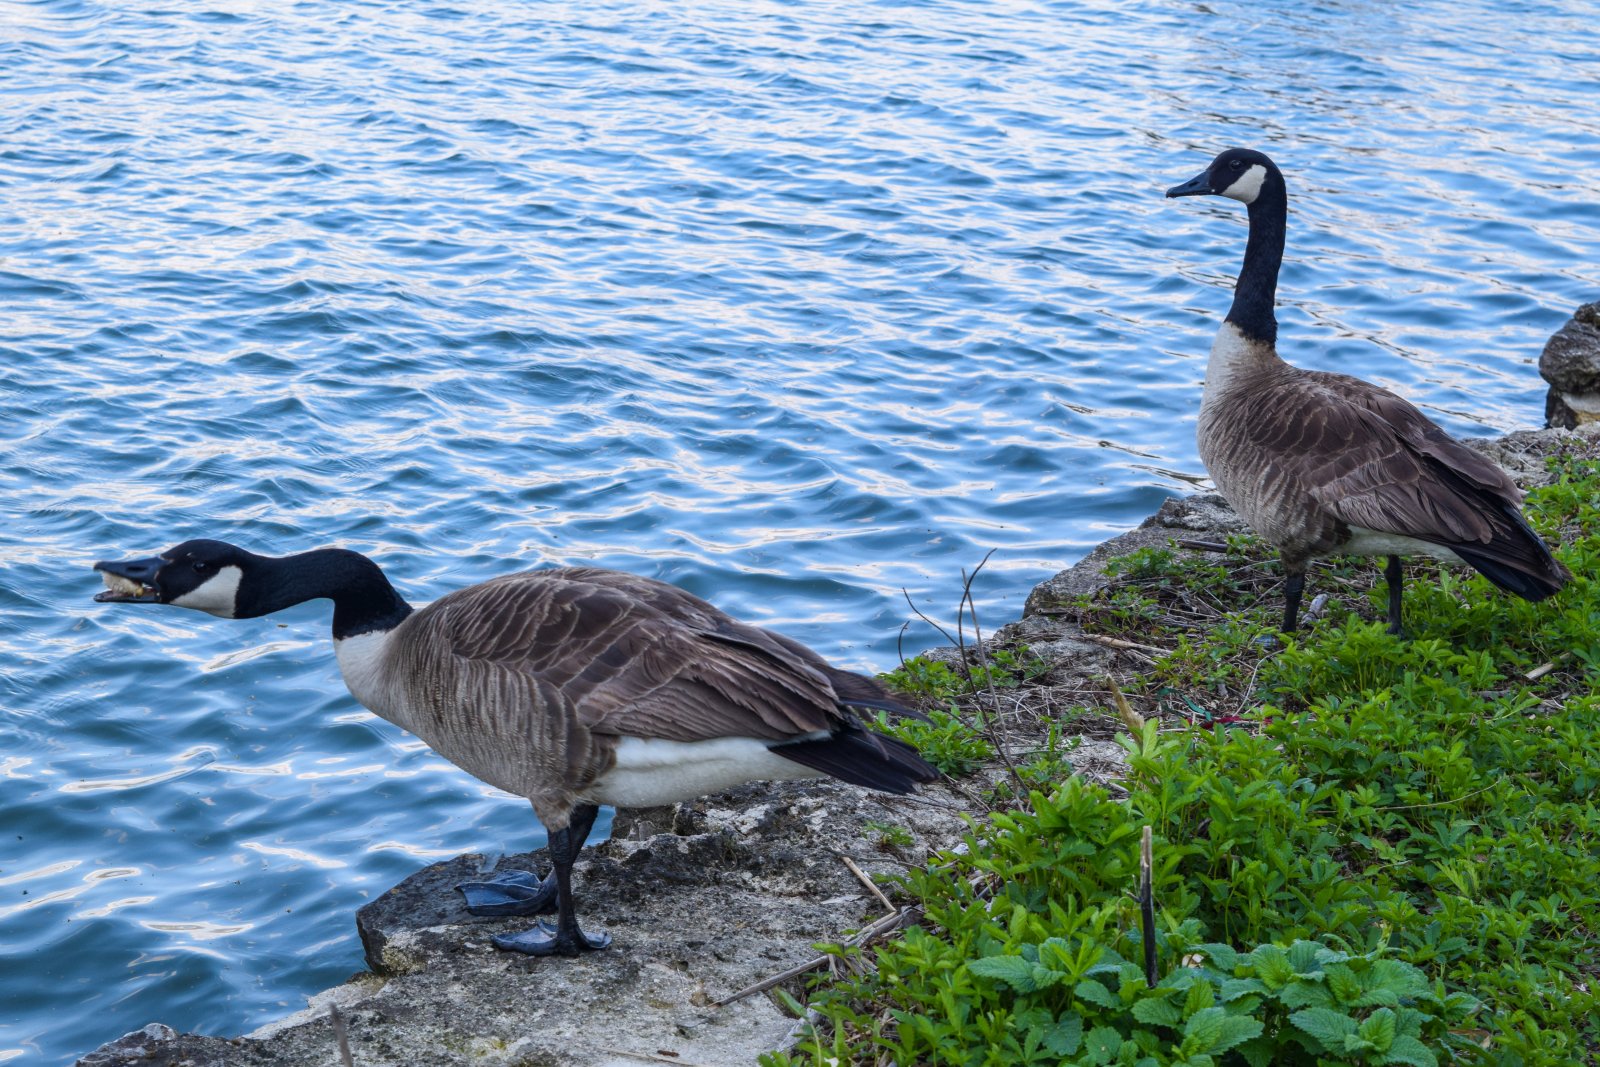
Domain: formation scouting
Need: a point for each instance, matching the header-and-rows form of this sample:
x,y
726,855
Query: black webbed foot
x,y
521,891
548,939
511,893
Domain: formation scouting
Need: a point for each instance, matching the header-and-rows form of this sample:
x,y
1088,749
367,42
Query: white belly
x,y
652,772
1365,542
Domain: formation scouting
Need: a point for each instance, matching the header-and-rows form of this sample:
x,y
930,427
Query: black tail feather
x,y
862,757
1517,560
859,691
1508,575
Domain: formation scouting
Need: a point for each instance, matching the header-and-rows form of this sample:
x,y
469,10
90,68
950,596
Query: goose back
x,y
1313,461
533,680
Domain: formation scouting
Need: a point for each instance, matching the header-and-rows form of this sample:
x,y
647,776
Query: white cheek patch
x,y
1248,186
218,595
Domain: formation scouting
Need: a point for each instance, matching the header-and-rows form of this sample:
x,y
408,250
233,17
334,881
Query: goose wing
x,y
621,655
1373,460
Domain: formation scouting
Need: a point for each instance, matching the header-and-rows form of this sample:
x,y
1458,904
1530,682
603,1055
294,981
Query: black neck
x,y
363,599
1257,288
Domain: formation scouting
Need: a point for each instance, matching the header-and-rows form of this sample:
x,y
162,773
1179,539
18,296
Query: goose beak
x,y
1199,185
129,581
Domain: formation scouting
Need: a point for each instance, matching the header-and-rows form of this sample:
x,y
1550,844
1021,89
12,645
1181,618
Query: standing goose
x,y
573,687
1324,464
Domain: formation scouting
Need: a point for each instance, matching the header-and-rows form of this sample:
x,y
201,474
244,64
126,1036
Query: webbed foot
x,y
548,939
511,893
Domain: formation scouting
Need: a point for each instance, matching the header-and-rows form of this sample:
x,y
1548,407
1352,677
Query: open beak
x,y
129,581
1199,185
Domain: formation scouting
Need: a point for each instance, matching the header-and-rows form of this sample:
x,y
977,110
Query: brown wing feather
x,y
636,657
513,728
1371,459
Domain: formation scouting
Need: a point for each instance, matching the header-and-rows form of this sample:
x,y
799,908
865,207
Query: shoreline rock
x,y
1570,362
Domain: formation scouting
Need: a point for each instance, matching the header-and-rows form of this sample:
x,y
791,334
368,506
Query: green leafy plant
x,y
950,740
1392,857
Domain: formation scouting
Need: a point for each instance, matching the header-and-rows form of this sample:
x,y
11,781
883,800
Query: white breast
x,y
361,661
1231,353
651,772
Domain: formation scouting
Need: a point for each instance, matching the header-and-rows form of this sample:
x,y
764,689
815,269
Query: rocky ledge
x,y
702,901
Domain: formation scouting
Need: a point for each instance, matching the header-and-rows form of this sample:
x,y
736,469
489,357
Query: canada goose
x,y
573,687
1324,464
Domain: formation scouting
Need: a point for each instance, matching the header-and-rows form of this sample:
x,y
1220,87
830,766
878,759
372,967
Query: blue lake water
x,y
797,305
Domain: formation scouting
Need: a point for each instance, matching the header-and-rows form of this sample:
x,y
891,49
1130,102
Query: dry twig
x,y
1126,646
868,882
1200,546
901,917
654,1057
1147,906
1541,670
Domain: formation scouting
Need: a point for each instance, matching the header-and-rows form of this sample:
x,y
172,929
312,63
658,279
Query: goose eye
x,y
201,566
1236,164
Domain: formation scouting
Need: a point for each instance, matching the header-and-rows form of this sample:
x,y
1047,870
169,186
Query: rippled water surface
x,y
798,305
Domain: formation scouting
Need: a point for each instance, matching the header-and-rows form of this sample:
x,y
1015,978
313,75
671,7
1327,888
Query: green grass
x,y
1368,850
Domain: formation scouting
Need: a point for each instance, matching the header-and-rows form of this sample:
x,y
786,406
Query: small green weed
x,y
888,835
954,739
936,681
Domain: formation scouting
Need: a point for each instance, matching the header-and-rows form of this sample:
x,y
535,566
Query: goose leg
x,y
523,892
1391,574
565,938
1292,587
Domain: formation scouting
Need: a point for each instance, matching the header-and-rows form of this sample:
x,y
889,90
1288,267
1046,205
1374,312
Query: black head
x,y
1240,174
204,575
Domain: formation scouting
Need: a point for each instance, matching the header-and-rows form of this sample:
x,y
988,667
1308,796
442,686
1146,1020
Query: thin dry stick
x,y
1126,646
1200,546
1147,906
972,608
886,925
918,611
655,1057
1250,683
1540,671
767,983
1439,803
341,1036
1001,744
868,882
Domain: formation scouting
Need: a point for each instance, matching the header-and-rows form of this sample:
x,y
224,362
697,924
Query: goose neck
x,y
1256,290
363,599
